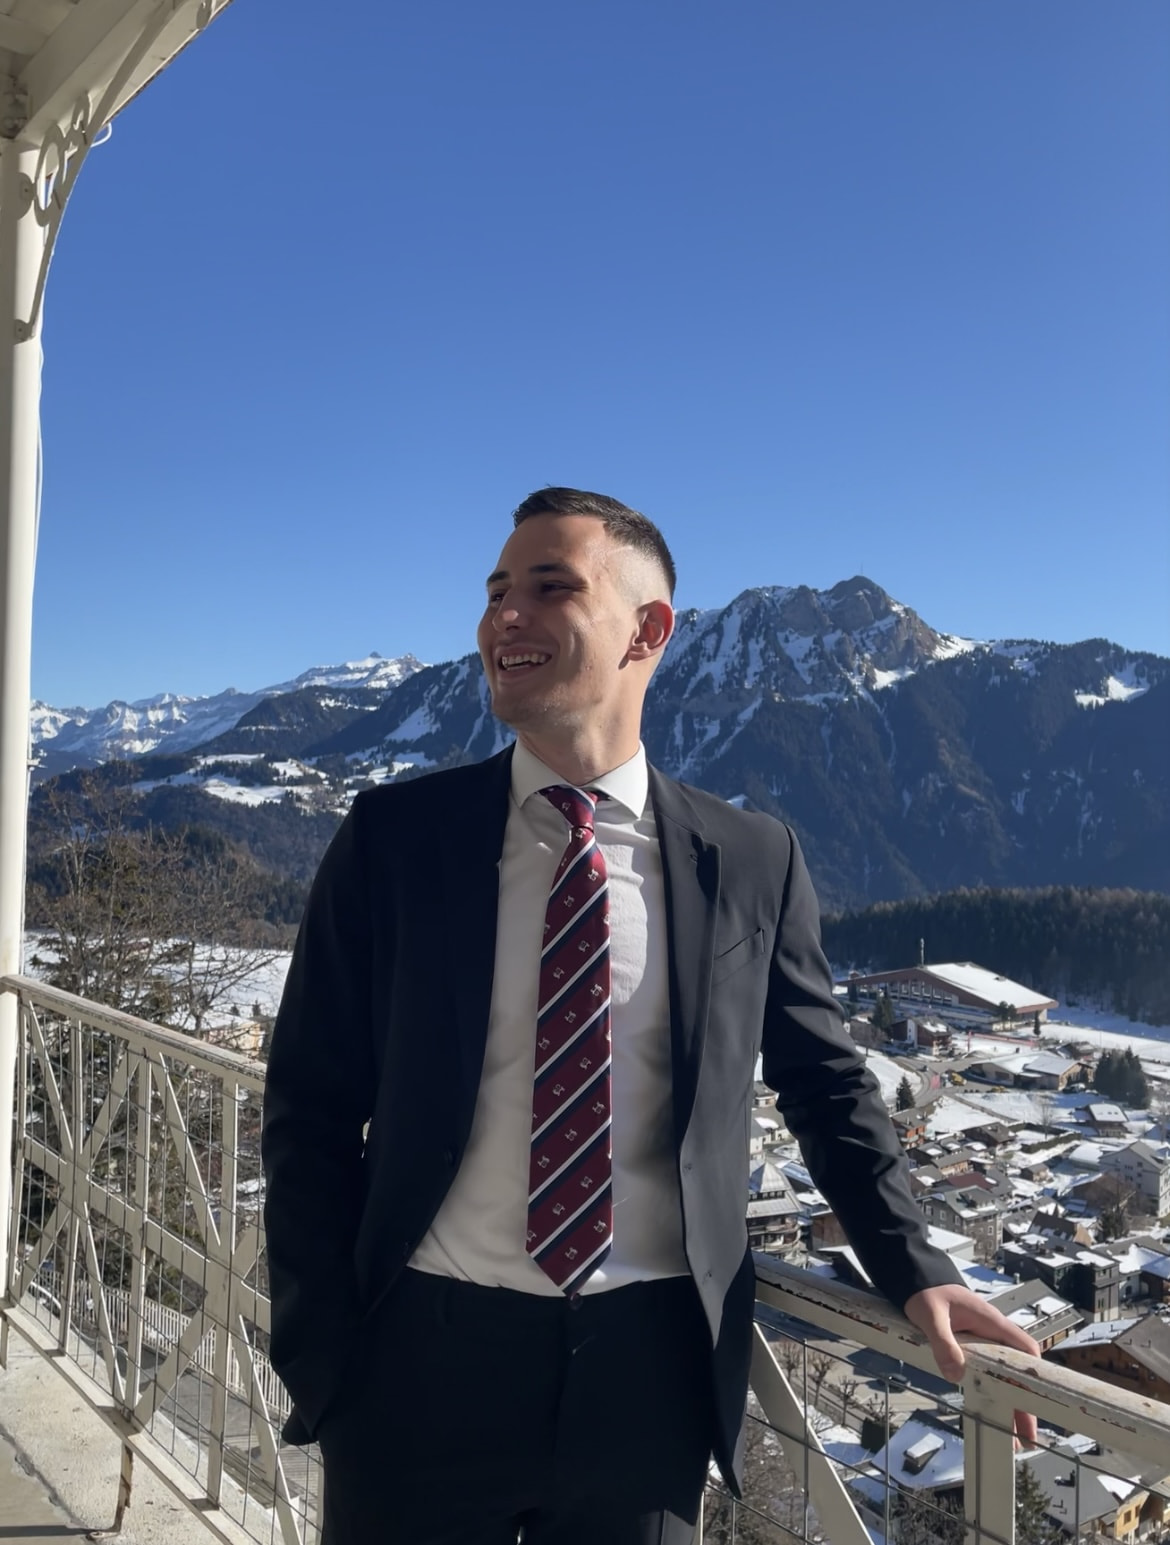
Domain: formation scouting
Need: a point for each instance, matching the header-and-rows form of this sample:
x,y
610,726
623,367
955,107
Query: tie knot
x,y
576,807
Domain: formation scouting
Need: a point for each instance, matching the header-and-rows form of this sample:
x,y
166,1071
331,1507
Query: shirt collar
x,y
628,785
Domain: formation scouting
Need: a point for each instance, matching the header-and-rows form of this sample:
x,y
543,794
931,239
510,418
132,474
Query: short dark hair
x,y
627,527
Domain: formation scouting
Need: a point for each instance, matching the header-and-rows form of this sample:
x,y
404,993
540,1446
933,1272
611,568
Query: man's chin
x,y
521,708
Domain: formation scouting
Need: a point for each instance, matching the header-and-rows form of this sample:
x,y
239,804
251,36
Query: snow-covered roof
x,y
1049,1062
1156,1264
1096,1333
968,977
938,1451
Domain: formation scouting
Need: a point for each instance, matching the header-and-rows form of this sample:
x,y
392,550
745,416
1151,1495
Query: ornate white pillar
x,y
63,78
22,247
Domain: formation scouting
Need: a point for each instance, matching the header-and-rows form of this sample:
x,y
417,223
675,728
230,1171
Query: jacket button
x,y
450,1156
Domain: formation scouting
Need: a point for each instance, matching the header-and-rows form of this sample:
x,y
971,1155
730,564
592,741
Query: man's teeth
x,y
509,661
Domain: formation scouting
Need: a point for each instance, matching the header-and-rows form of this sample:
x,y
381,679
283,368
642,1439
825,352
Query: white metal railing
x,y
139,1268
137,1254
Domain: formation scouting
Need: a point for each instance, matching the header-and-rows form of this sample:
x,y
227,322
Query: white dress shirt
x,y
479,1233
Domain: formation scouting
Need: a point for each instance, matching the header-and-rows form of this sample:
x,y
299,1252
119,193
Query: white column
x,y
21,250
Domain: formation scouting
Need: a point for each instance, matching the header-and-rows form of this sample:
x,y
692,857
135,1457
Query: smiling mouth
x,y
521,664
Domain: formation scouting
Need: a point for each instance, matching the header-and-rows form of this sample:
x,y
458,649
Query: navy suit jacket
x,y
384,1022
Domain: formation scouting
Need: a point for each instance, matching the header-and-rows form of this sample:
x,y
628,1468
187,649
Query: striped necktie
x,y
570,1203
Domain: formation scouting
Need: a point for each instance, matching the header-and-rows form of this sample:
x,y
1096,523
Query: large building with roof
x,y
1134,1354
960,986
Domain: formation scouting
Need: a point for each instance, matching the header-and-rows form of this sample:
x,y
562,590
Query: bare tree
x,y
1046,1100
847,1388
819,1367
791,1355
155,923
775,1505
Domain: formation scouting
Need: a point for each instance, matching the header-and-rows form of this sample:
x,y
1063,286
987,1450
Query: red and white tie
x,y
570,1193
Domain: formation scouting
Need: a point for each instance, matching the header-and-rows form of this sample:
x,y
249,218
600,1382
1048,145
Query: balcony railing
x,y
138,1268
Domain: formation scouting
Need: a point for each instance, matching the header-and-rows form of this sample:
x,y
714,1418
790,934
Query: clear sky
x,y
822,288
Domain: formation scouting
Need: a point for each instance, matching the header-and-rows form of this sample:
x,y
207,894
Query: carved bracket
x,y
65,146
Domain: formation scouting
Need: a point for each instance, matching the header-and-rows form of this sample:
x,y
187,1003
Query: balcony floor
x,y
68,1444
27,1517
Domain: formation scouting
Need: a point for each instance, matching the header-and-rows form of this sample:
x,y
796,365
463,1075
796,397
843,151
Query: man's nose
x,y
508,614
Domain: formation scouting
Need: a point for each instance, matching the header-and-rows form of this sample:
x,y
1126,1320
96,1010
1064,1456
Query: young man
x,y
518,1304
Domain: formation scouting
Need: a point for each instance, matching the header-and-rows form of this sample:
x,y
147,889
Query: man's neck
x,y
580,760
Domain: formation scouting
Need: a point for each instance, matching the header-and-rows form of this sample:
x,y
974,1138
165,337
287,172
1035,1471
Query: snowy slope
x,y
167,722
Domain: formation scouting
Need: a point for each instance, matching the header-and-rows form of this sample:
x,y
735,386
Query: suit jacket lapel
x,y
471,847
690,869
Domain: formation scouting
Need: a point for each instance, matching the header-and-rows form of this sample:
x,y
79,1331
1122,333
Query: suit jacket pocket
x,y
732,960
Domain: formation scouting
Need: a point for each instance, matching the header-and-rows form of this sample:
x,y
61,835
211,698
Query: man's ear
x,y
655,625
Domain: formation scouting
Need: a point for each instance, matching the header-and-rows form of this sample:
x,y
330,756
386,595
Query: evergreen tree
x,y
1137,1089
905,1094
1114,1222
883,1014
921,1518
1033,1525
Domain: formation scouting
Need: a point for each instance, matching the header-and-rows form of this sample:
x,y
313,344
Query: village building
x,y
1086,1501
775,1218
965,1209
1144,1169
1107,1119
1133,1354
1087,1278
1029,1070
911,1124
959,987
1034,1307
920,1034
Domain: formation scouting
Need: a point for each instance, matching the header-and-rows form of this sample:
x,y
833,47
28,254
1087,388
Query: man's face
x,y
559,623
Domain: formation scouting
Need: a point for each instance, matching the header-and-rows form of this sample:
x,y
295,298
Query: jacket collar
x,y
691,868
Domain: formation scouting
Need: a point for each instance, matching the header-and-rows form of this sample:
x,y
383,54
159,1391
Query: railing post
x,y
21,249
989,1464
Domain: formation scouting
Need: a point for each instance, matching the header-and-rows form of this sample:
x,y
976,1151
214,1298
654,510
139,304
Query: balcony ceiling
x,y
54,52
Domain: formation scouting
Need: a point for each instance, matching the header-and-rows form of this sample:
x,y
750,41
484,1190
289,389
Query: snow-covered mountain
x,y
908,759
72,737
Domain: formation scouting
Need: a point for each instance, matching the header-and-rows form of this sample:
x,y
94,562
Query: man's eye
x,y
495,597
552,584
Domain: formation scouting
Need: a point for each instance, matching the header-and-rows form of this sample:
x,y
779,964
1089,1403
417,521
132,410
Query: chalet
x,y
910,1124
1087,1502
1133,1354
929,1035
1107,1119
1035,1308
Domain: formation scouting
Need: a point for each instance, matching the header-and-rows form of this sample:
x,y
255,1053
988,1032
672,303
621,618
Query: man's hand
x,y
943,1313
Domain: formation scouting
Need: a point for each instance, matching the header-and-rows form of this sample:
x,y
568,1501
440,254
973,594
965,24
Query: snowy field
x,y
259,987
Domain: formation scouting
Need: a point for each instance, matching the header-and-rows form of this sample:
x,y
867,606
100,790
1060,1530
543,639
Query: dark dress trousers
x,y
384,1021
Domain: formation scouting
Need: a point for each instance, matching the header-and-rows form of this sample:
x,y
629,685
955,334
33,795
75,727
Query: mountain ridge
x,y
908,759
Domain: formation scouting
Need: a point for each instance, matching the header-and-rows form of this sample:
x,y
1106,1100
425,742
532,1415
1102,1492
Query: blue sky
x,y
824,289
